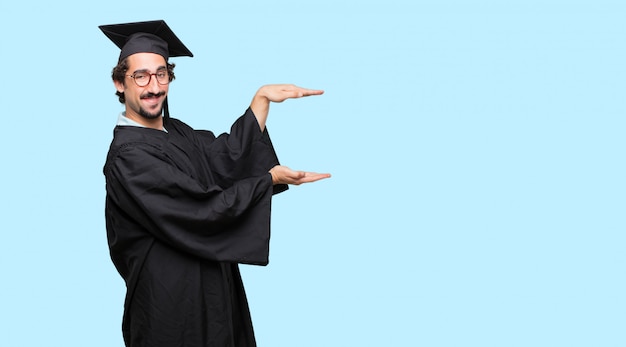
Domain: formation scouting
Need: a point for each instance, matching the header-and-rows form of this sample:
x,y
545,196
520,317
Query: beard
x,y
148,115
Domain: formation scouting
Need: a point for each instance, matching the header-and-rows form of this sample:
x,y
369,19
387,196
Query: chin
x,y
147,115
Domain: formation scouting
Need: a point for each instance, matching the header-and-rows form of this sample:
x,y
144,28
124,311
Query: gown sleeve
x,y
244,151
153,195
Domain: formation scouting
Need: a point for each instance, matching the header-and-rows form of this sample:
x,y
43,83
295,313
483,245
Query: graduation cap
x,y
146,37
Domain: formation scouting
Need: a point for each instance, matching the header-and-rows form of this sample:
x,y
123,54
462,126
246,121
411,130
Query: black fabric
x,y
183,208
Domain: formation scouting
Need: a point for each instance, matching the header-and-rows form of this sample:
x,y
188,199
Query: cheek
x,y
131,93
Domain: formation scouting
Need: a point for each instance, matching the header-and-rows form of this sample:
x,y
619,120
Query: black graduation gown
x,y
183,208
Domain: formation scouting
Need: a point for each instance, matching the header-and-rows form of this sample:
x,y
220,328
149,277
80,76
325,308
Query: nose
x,y
153,85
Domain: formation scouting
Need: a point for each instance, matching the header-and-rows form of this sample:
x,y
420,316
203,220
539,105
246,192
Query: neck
x,y
153,123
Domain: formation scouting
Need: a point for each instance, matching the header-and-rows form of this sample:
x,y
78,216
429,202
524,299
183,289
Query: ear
x,y
119,86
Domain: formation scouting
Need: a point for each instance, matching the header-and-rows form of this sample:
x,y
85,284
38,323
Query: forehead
x,y
145,61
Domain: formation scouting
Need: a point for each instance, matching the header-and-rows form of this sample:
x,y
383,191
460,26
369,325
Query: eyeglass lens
x,y
143,78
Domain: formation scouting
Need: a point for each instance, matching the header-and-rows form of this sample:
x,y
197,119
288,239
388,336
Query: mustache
x,y
152,95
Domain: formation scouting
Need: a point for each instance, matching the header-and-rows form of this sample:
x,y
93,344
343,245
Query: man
x,y
184,207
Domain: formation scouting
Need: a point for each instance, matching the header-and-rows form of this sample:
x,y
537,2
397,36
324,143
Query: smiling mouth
x,y
152,96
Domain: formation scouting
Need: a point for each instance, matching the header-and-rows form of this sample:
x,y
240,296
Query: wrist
x,y
260,103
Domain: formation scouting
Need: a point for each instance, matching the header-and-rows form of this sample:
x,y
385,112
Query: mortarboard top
x,y
145,37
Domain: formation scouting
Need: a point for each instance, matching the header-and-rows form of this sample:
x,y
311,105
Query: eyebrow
x,y
147,70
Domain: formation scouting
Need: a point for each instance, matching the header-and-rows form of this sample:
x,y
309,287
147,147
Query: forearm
x,y
221,225
260,106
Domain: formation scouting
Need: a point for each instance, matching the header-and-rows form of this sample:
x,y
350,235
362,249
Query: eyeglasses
x,y
143,78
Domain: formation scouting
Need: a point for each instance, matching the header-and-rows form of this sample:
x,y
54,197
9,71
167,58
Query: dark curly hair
x,y
119,75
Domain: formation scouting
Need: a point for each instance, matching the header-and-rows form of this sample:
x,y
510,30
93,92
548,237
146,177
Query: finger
x,y
293,94
313,176
306,173
309,92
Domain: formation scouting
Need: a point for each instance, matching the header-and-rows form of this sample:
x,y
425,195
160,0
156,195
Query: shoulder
x,y
182,131
173,124
125,137
131,141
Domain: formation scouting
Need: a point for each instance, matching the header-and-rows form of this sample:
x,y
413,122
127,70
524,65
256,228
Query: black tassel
x,y
166,111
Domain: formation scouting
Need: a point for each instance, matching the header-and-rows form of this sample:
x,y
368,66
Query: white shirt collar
x,y
122,120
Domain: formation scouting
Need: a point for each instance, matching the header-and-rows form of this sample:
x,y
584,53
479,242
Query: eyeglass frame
x,y
167,73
